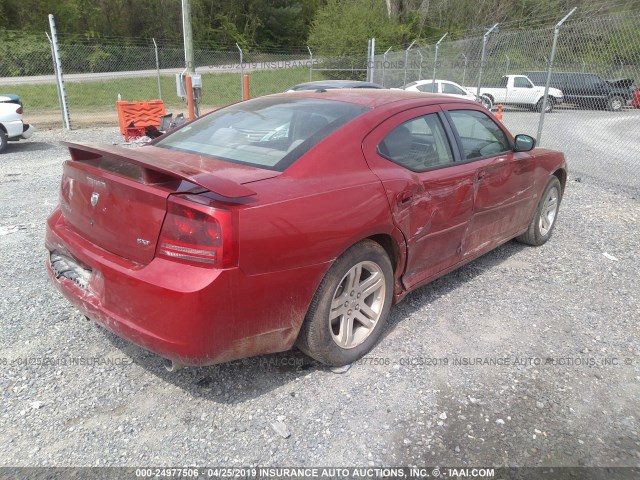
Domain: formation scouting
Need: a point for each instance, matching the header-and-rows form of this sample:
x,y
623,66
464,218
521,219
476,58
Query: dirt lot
x,y
525,357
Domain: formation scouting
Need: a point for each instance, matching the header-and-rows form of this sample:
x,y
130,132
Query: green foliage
x,y
24,55
343,27
218,89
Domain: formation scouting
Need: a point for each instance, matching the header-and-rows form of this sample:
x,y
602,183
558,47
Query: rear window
x,y
267,132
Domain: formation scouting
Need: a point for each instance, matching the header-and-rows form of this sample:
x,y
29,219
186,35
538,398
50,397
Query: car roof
x,y
336,84
373,98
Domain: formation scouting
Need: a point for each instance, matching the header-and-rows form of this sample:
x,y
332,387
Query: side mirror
x,y
524,143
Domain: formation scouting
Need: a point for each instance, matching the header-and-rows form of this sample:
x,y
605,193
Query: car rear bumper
x,y
27,131
191,315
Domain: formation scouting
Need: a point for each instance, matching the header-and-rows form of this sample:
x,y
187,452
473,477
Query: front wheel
x,y
486,102
350,308
544,219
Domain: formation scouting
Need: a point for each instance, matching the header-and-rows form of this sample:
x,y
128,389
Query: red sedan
x,y
297,218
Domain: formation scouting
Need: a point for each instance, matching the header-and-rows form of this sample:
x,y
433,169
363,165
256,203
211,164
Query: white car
x,y
445,87
12,127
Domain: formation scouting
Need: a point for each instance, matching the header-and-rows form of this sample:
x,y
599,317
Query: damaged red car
x,y
291,219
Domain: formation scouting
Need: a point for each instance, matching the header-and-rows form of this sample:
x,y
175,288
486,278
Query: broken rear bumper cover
x,y
191,315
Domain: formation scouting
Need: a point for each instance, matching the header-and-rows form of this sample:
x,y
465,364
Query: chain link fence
x,y
595,63
596,66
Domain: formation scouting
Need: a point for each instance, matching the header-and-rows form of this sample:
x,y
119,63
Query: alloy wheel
x,y
548,212
357,304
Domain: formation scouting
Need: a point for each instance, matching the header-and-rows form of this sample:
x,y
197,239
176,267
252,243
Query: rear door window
x,y
419,144
452,89
428,87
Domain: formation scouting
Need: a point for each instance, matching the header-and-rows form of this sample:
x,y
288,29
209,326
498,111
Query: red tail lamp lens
x,y
197,235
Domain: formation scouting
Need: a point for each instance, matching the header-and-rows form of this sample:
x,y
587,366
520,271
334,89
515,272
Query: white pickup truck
x,y
518,90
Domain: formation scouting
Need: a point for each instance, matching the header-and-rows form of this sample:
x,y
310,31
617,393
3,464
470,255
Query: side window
x,y
594,81
480,136
418,144
451,89
520,82
428,87
504,81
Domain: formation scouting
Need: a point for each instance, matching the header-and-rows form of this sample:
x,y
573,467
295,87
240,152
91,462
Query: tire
x,y
550,104
544,219
3,140
615,103
486,102
340,335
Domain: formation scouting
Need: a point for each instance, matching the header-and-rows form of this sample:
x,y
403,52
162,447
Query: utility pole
x,y
188,55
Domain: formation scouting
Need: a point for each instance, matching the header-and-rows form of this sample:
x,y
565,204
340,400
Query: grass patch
x,y
217,89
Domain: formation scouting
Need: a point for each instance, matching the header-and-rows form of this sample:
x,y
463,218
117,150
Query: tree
x,y
342,27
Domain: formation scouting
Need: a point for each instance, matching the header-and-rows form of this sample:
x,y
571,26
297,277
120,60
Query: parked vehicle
x,y
12,128
446,87
588,89
330,84
212,244
635,101
519,91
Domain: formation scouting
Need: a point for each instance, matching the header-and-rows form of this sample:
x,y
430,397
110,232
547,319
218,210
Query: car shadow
x,y
241,380
422,296
229,383
21,146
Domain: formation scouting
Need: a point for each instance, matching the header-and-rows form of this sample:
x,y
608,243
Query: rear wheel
x,y
350,308
615,104
544,219
3,140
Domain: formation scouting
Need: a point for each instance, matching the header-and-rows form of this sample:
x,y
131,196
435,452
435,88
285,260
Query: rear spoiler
x,y
161,163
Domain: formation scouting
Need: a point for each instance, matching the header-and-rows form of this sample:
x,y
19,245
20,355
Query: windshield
x,y
267,132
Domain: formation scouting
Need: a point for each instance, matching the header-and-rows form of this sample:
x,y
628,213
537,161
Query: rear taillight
x,y
19,111
198,234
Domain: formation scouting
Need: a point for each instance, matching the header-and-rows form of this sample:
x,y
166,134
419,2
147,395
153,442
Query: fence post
x,y
435,58
310,64
62,93
485,39
420,68
464,71
368,60
241,72
55,72
155,49
406,61
556,32
506,70
384,68
372,60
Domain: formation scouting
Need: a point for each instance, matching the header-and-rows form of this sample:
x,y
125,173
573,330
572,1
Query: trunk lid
x,y
116,198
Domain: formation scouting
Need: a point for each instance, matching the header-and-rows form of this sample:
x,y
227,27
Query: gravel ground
x,y
557,325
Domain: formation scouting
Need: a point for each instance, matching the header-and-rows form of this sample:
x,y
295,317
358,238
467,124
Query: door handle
x,y
481,174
